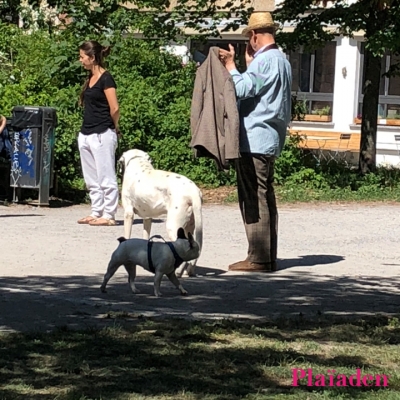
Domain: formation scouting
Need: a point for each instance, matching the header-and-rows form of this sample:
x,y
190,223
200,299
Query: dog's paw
x,y
135,291
182,290
158,294
103,289
191,272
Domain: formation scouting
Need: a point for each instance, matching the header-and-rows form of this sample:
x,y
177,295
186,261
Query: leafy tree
x,y
41,67
379,19
154,18
154,91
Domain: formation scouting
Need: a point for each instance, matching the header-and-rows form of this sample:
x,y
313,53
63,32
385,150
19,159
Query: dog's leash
x,y
178,259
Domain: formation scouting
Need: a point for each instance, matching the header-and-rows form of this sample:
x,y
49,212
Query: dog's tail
x,y
121,239
197,203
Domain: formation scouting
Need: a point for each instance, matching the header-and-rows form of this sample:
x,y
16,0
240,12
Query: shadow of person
x,y
309,261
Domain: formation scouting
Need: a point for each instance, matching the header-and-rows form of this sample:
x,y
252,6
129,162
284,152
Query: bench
x,y
329,146
332,141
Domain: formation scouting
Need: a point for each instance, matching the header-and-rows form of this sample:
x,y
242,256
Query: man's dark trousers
x,y
255,177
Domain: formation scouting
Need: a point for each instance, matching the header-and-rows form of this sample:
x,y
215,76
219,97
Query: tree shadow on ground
x,y
139,221
20,215
40,302
138,355
170,359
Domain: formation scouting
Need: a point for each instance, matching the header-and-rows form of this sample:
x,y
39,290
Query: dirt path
x,y
334,259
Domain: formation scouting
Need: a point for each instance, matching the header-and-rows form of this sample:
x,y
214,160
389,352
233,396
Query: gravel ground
x,y
334,259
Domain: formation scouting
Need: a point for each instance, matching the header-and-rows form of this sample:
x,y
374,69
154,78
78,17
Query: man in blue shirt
x,y
264,97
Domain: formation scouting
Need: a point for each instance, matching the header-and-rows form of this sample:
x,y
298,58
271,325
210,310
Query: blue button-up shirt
x,y
264,94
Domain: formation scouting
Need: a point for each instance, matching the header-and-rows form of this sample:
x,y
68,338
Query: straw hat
x,y
259,20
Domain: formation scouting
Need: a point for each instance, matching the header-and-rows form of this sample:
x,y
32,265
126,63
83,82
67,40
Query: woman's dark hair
x,y
93,49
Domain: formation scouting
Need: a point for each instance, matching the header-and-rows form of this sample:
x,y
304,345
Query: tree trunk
x,y
369,122
375,23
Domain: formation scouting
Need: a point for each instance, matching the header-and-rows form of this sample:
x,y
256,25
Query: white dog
x,y
152,193
158,257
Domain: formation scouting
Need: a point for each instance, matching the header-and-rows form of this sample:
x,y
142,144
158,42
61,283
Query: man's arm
x,y
247,84
250,82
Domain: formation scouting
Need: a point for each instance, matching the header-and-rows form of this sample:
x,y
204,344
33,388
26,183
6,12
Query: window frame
x,y
384,99
312,96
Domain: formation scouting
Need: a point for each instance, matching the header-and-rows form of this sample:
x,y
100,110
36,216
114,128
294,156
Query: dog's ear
x,y
191,239
181,233
121,165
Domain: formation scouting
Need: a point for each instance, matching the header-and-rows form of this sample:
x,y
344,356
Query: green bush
x,y
154,91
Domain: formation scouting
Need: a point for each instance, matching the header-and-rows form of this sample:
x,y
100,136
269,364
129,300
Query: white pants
x,y
97,153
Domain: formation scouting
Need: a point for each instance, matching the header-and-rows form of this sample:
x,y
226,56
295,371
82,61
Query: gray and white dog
x,y
158,257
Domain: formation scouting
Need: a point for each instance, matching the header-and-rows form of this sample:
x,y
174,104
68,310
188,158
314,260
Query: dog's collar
x,y
178,258
132,158
123,166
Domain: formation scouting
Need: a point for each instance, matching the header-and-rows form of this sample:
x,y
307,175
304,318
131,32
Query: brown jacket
x,y
214,115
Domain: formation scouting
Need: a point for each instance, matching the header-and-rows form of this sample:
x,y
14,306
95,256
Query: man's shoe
x,y
248,266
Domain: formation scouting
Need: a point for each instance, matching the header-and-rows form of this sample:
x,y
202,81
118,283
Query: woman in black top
x,y
98,139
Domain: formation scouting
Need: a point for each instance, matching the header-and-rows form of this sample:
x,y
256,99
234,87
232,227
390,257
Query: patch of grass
x,y
232,197
292,193
187,360
334,182
296,193
217,195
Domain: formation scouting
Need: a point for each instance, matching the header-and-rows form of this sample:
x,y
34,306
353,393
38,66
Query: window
x,y
389,88
314,78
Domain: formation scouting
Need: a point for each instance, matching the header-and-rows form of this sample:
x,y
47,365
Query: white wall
x,y
181,51
345,92
387,147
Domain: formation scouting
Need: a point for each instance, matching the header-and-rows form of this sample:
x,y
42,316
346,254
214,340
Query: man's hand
x,y
249,56
228,58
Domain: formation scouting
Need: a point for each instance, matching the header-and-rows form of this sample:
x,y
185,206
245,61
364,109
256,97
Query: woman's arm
x,y
3,123
111,95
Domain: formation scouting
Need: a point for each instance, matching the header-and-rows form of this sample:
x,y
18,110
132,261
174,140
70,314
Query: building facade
x,y
328,83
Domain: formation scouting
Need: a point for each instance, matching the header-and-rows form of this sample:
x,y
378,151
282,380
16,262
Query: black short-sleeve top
x,y
96,116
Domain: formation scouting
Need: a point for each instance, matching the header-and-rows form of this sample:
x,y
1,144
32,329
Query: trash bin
x,y
33,136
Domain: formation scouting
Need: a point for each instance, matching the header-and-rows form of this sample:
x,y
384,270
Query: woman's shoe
x,y
87,220
102,222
